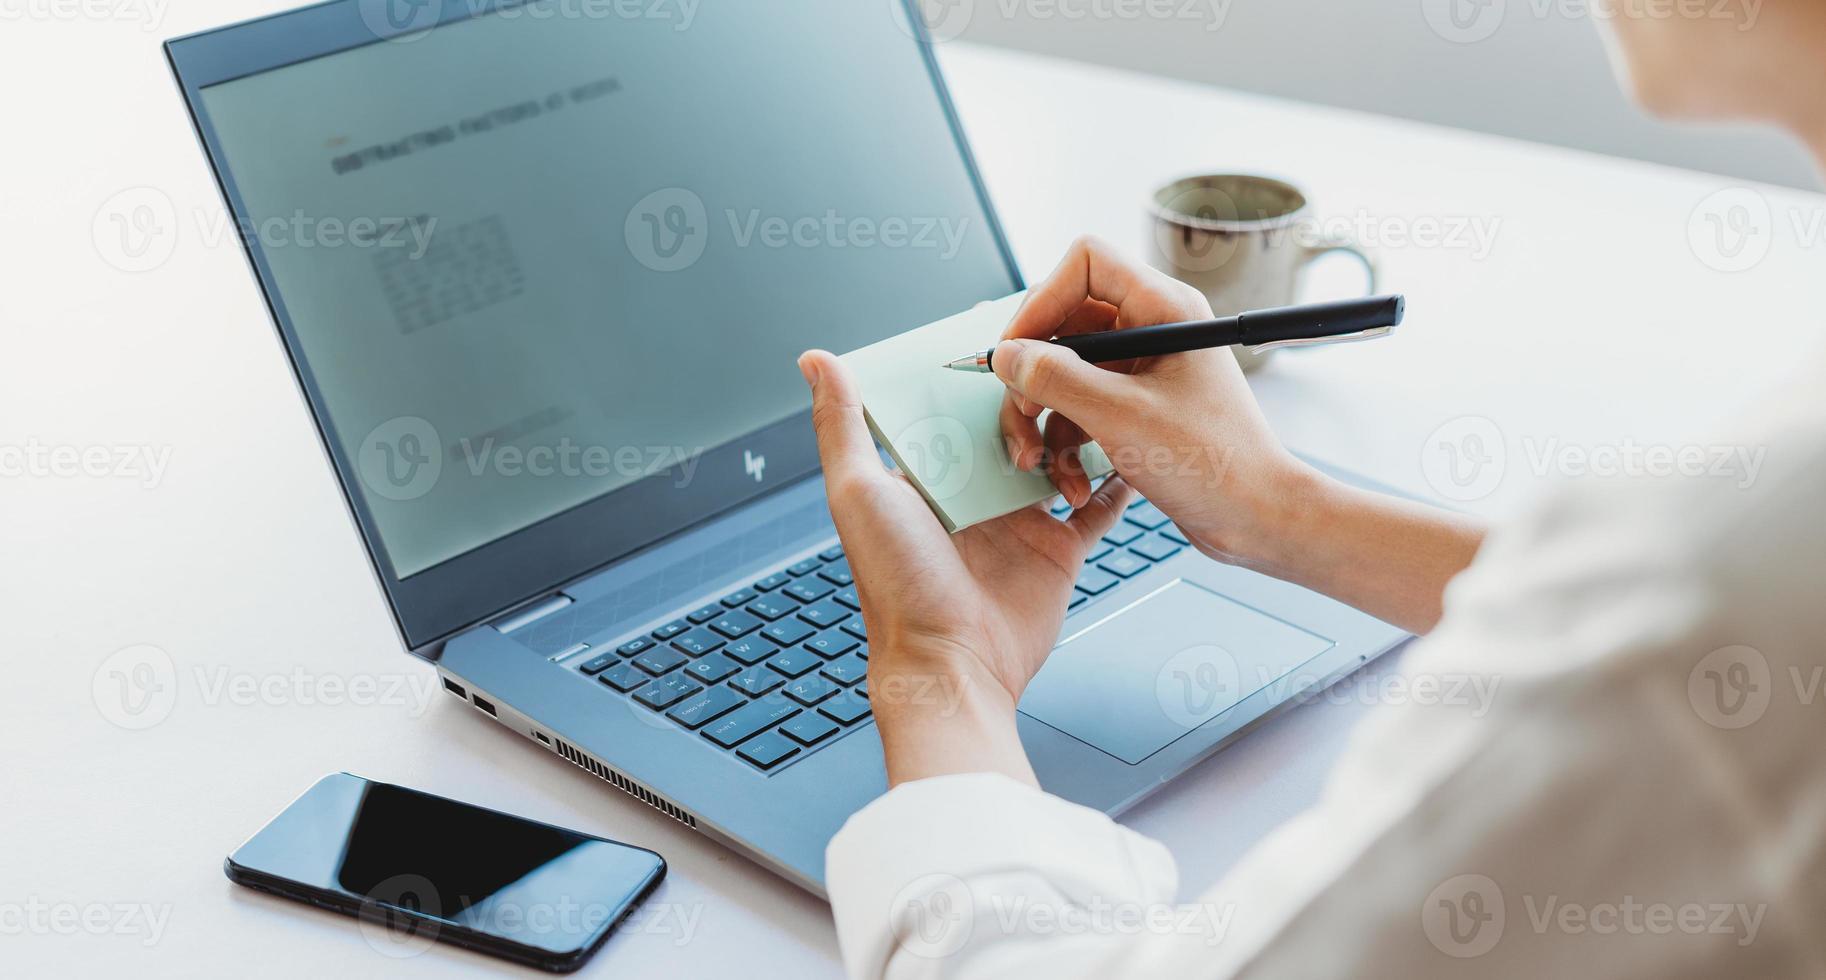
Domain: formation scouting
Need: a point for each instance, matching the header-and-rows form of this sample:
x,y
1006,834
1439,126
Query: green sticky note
x,y
942,427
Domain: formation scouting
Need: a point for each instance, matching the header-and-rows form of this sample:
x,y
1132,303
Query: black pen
x,y
1334,322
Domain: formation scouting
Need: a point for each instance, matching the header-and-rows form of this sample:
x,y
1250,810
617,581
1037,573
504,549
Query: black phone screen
x,y
535,890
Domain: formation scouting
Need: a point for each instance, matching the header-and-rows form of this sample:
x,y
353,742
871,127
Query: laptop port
x,y
484,704
542,739
455,688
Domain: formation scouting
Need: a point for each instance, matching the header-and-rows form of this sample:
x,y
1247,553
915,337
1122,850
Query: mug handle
x,y
1344,243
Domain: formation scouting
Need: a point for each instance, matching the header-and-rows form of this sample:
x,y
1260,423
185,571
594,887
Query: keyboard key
x,y
712,668
1155,548
772,582
832,643
746,721
1145,514
848,598
706,707
659,660
698,642
738,598
769,750
750,651
756,681
1096,581
794,661
822,614
705,614
1124,564
863,651
667,691
1099,551
634,646
846,708
1078,599
837,574
805,567
809,729
1060,507
1171,533
735,624
788,632
857,628
772,606
832,553
810,690
671,629
623,678
1122,534
597,665
846,671
809,589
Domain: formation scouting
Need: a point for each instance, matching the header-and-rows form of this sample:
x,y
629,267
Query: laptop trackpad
x,y
1154,670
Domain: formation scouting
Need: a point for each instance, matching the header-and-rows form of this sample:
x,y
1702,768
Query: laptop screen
x,y
553,250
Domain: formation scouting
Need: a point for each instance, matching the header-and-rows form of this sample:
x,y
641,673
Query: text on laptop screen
x,y
543,253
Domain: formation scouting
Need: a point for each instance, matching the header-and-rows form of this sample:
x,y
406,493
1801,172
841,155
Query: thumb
x,y
845,448
1055,377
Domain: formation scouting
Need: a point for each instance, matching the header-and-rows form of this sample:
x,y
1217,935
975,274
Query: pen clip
x,y
1343,338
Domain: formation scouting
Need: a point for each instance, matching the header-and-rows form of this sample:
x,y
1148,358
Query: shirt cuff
x,y
932,867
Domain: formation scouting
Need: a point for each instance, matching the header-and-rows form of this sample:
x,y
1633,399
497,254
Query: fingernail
x,y
809,368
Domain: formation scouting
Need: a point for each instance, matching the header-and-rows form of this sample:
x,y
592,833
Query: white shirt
x,y
1645,796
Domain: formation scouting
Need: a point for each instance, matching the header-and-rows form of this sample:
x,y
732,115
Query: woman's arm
x,y
1185,430
1389,557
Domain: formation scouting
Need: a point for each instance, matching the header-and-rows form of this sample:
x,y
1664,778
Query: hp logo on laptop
x,y
753,465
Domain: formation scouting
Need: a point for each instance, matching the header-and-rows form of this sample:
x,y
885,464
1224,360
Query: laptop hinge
x,y
528,615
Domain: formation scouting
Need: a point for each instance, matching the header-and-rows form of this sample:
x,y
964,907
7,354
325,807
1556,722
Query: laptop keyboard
x,y
776,670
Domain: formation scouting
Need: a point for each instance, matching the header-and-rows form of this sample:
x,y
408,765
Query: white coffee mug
x,y
1241,240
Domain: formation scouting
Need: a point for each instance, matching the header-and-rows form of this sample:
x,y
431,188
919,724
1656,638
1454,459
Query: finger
x,y
844,445
1091,269
1091,316
1022,434
1064,467
1056,378
1101,512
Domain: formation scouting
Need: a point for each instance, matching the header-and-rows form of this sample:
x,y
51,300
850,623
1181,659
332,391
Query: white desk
x,y
1591,256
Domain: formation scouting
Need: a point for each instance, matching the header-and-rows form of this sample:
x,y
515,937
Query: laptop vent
x,y
583,761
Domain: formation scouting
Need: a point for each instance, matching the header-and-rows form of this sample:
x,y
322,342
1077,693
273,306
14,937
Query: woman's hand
x,y
958,623
1184,430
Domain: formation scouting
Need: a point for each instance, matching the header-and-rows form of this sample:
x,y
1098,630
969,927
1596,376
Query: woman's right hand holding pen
x,y
1185,431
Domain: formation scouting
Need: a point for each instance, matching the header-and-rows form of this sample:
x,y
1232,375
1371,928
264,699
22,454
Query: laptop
x,y
542,270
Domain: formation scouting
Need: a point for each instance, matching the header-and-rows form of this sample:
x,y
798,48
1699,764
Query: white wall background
x,y
1534,69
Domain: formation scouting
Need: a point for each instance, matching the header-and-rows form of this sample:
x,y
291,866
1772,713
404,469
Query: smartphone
x,y
417,868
